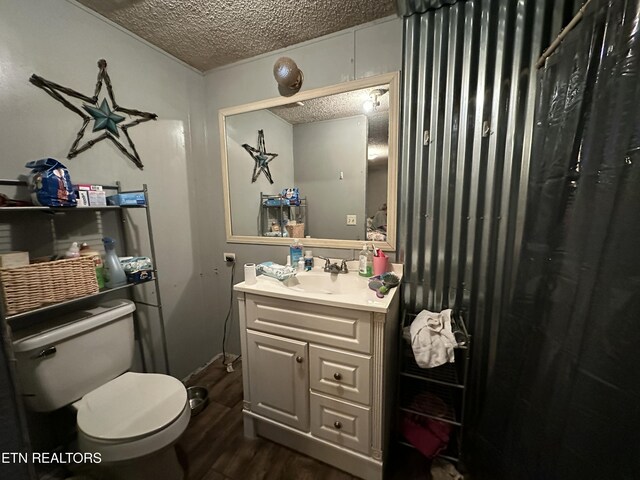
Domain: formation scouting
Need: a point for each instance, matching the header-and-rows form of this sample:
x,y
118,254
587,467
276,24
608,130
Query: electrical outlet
x,y
230,257
351,219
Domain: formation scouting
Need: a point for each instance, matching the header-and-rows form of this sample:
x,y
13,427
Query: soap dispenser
x,y
365,264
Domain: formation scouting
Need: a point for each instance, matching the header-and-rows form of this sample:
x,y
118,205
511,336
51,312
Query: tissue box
x,y
132,198
137,269
14,259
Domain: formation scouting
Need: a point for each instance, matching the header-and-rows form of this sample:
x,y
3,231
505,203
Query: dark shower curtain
x,y
564,398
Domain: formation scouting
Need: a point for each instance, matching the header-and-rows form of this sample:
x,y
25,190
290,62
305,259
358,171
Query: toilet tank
x,y
60,361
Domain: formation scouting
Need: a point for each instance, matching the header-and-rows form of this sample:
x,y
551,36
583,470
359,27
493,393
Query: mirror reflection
x,y
314,167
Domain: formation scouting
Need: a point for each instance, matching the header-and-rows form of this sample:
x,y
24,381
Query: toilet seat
x,y
132,415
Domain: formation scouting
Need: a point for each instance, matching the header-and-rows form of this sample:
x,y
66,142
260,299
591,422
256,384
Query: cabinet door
x,y
279,378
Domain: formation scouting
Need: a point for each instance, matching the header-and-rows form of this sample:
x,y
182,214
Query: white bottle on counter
x,y
308,261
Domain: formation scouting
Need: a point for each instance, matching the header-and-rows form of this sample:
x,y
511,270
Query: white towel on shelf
x,y
432,340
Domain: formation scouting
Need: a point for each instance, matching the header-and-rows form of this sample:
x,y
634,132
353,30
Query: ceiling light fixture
x,y
288,76
372,103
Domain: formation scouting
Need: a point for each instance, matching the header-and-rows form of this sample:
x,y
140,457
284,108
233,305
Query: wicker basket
x,y
32,286
295,231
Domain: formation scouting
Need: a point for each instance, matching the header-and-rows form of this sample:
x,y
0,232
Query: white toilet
x,y
131,419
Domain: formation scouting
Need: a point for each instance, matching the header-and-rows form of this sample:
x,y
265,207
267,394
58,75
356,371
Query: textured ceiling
x,y
343,105
211,33
340,105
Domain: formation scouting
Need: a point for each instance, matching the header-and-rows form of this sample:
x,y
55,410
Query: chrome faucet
x,y
334,267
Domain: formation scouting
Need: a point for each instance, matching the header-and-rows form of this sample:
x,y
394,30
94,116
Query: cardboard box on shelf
x,y
91,196
14,259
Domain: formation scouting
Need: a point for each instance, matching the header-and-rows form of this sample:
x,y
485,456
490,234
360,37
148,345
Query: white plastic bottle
x,y
308,261
114,275
73,252
365,261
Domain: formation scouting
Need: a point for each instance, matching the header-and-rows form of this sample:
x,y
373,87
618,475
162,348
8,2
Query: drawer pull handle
x,y
337,376
47,352
337,424
299,359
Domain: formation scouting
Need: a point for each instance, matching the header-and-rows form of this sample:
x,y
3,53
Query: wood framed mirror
x,y
336,147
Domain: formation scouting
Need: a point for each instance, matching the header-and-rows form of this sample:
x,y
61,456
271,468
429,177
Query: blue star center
x,y
263,160
104,118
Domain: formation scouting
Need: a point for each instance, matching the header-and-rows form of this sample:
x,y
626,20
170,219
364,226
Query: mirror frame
x,y
393,79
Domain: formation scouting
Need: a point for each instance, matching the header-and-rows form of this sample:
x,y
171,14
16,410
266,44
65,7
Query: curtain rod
x,y
563,33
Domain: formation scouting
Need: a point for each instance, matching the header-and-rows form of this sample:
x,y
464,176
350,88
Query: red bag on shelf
x,y
428,435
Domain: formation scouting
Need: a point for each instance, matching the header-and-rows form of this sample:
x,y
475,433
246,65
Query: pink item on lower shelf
x,y
428,435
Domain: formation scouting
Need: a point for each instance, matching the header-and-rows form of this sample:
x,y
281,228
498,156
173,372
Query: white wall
x,y
376,188
322,151
363,51
62,42
245,195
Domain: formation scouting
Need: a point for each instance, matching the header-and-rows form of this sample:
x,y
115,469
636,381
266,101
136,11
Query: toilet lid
x,y
131,405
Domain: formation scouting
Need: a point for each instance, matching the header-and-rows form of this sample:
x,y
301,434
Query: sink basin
x,y
326,283
348,290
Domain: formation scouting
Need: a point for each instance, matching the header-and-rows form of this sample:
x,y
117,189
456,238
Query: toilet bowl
x,y
131,419
132,416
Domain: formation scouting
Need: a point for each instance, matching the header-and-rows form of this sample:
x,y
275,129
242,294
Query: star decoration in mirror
x,y
261,157
106,120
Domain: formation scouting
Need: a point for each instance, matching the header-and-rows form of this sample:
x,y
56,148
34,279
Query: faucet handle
x,y
343,266
327,262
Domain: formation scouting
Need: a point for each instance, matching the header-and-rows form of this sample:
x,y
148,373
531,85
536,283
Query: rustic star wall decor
x,y
105,118
261,157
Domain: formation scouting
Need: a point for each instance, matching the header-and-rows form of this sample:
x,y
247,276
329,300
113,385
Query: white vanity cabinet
x,y
320,378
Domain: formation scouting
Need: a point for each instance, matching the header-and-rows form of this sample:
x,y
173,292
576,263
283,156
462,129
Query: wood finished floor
x,y
214,448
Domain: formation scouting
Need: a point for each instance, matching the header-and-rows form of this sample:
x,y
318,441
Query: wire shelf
x,y
438,401
436,393
446,374
451,453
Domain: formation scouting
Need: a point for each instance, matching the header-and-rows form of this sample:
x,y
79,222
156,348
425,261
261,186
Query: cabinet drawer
x,y
342,423
342,374
339,327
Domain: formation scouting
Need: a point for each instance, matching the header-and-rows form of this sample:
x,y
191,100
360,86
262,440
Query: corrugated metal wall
x,y
469,99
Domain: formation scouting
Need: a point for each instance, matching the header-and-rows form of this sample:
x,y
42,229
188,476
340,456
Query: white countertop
x,y
363,299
